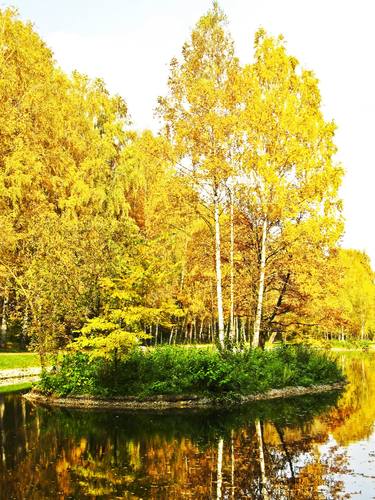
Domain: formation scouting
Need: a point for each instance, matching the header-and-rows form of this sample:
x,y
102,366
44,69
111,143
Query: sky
x,y
129,43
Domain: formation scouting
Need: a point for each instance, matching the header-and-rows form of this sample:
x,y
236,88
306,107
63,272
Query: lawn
x,y
18,360
15,387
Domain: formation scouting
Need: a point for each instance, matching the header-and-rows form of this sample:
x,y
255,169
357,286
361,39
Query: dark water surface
x,y
311,447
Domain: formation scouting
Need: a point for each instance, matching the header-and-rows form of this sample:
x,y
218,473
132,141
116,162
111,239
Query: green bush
x,y
181,370
77,374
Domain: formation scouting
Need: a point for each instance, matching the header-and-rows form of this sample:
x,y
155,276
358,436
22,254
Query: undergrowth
x,y
178,370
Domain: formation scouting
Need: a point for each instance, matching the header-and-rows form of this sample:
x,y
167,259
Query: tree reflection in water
x,y
266,450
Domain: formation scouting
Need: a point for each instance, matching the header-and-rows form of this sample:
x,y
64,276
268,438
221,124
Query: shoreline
x,y
169,401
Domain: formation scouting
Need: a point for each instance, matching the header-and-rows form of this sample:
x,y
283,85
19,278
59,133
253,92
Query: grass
x,y
15,387
10,361
180,370
351,344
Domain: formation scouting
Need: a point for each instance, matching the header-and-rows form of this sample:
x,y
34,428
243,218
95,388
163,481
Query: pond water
x,y
311,447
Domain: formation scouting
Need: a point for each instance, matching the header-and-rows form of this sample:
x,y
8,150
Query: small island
x,y
183,377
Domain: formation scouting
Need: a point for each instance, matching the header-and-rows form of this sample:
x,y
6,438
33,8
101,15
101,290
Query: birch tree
x,y
289,177
197,118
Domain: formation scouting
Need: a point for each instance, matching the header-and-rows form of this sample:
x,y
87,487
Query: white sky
x,y
129,44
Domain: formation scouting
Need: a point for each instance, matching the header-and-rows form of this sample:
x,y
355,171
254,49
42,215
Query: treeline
x,y
225,225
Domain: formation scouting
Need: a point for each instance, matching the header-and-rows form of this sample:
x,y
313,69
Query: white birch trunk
x,y
25,325
362,329
271,340
231,319
243,330
4,325
156,333
219,292
201,329
171,336
258,317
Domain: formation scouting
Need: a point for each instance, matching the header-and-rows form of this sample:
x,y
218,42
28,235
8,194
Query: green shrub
x,y
76,375
181,370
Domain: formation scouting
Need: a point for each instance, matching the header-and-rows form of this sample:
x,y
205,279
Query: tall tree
x,y
288,178
198,121
59,183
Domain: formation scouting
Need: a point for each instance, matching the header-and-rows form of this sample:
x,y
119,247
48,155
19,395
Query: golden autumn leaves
x,y
217,225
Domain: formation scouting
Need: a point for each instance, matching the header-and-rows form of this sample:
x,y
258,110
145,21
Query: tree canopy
x,y
228,222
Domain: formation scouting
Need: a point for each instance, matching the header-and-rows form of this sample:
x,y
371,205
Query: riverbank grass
x,y
174,370
15,387
351,345
10,360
